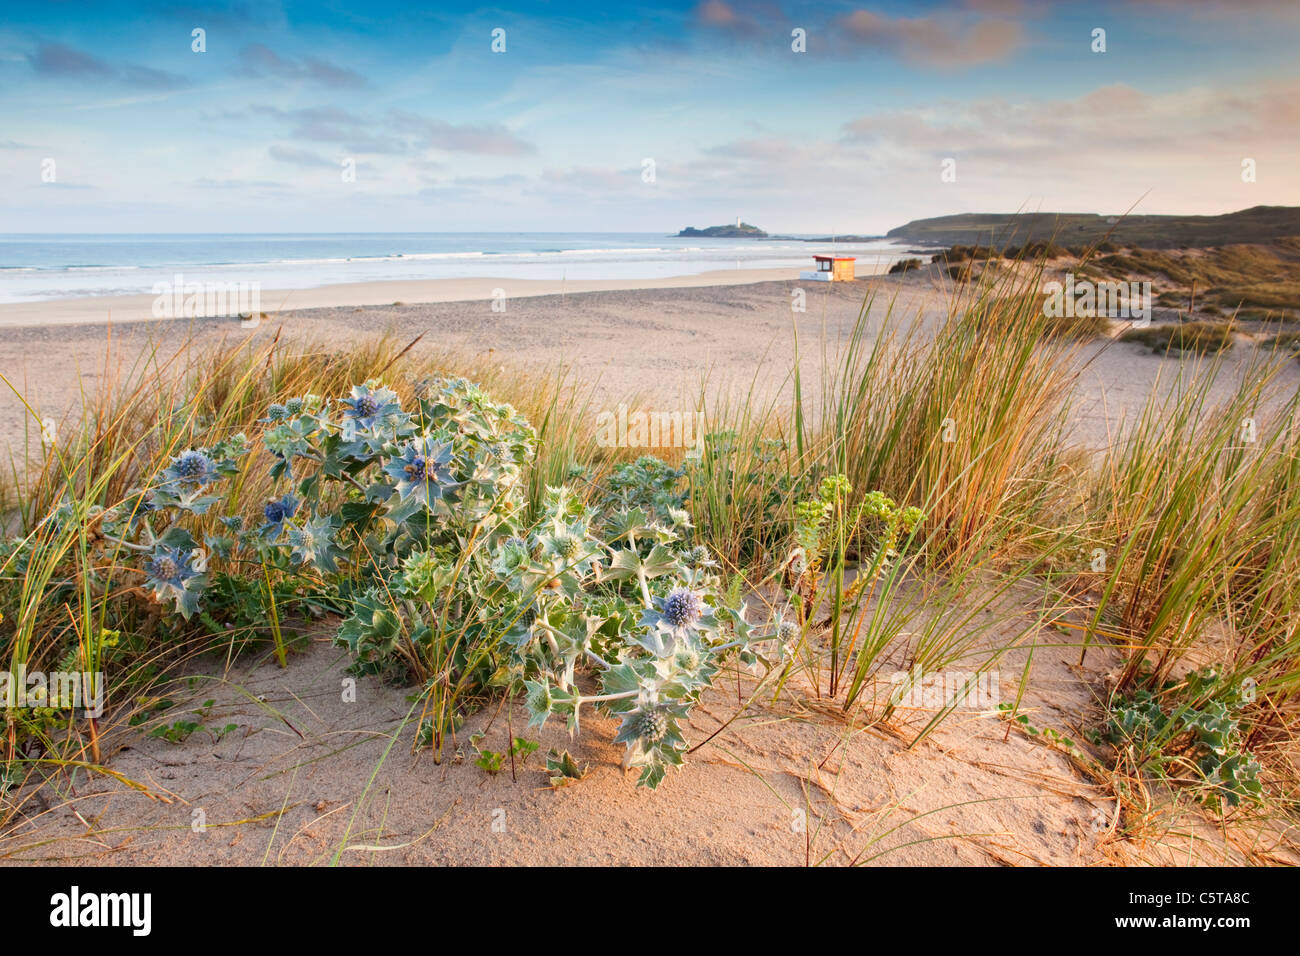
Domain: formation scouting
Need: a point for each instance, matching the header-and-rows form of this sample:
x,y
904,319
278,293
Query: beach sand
x,y
136,308
290,786
657,343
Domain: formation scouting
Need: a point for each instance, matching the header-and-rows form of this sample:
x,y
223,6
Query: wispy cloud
x,y
946,42
492,139
60,61
397,132
729,18
332,124
300,157
260,60
961,34
1107,122
846,134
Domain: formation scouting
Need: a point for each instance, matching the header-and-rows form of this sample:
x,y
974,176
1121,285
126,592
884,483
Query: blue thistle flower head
x,y
170,575
277,511
370,404
683,608
193,467
680,617
363,406
421,472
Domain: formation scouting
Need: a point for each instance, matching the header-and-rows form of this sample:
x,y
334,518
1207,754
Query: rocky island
x,y
741,230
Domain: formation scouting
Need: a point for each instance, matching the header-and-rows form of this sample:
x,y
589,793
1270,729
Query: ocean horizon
x,y
43,266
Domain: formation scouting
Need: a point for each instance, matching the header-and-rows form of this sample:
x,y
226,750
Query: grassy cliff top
x,y
1259,224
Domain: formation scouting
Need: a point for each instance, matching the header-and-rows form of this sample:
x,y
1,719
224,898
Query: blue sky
x,y
553,134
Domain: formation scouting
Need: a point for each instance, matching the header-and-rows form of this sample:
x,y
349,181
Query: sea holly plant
x,y
414,516
1181,732
473,598
172,572
638,613
413,503
149,524
647,484
369,484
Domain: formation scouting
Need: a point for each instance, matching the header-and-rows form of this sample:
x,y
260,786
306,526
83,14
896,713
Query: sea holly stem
x,y
548,631
605,698
718,649
640,571
124,543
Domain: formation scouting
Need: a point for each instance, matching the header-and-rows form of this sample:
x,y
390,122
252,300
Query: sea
x,y
38,267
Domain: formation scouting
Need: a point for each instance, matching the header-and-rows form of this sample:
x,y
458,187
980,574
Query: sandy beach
x,y
657,342
302,757
135,308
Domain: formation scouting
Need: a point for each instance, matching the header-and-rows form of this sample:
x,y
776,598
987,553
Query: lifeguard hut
x,y
832,269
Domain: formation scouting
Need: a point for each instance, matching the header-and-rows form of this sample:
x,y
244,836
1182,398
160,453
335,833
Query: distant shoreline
x,y
68,266
136,308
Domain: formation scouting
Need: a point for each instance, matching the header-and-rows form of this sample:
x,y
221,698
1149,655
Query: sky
x,y
822,118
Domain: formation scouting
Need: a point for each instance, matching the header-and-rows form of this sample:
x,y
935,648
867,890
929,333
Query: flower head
x,y
568,547
421,472
683,608
788,631
171,576
193,467
687,658
651,726
165,569
424,576
673,621
370,404
277,511
313,543
511,557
